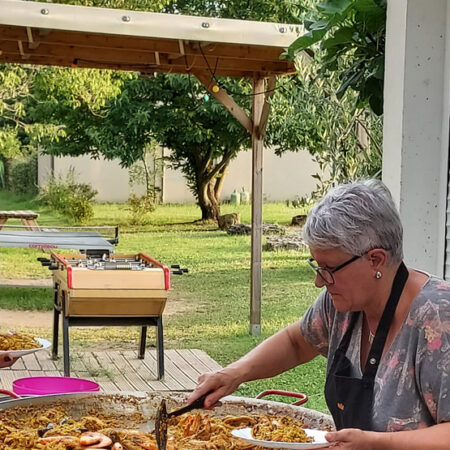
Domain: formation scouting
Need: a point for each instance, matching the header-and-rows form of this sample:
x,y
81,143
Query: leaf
x,y
350,79
332,7
369,7
376,103
341,36
305,41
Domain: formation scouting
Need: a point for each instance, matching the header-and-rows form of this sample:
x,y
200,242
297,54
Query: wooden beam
x,y
144,68
226,100
257,198
269,91
98,41
31,42
124,56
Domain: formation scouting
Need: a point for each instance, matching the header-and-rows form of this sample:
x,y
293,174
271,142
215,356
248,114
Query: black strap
x,y
376,350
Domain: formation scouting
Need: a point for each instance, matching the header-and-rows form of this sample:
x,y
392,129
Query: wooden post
x,y
257,200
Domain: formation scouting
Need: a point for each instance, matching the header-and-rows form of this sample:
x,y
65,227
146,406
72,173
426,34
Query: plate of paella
x,y
17,345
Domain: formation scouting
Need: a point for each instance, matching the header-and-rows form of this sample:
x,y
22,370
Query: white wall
x,y
107,177
284,178
416,125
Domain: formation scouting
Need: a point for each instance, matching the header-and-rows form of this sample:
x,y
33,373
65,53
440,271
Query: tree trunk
x,y
6,171
208,202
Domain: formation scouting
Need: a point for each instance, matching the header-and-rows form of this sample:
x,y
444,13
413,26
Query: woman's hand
x,y
6,360
220,383
352,439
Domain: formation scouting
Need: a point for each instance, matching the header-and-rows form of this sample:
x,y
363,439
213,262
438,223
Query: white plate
x,y
318,442
19,353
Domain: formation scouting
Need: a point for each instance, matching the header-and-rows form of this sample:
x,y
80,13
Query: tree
x,y
117,115
351,34
202,136
19,130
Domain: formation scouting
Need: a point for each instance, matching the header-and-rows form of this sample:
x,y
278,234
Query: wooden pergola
x,y
85,37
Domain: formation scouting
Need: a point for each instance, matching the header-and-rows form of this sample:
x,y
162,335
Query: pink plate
x,y
52,385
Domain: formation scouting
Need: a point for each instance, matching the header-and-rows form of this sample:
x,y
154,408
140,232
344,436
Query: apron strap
x,y
376,350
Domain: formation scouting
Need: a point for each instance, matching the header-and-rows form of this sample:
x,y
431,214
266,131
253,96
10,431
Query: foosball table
x,y
95,289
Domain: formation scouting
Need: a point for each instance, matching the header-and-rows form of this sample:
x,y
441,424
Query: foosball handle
x,y
303,397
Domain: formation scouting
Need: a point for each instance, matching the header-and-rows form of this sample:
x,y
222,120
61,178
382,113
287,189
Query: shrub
x,y
23,175
69,198
140,208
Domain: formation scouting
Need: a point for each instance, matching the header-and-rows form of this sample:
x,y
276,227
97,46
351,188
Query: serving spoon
x,y
162,416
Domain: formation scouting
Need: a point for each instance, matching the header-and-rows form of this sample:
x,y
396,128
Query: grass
x,y
212,300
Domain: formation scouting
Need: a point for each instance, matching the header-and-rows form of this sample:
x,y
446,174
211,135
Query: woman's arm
x,y
282,351
436,437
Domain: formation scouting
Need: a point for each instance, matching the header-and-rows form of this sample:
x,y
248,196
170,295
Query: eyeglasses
x,y
327,274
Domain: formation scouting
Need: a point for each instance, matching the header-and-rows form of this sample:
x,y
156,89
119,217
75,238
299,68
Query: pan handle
x,y
303,397
10,393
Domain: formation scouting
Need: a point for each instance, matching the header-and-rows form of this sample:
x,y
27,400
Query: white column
x,y
416,125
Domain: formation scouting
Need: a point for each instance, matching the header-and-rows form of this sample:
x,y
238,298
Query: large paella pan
x,y
75,421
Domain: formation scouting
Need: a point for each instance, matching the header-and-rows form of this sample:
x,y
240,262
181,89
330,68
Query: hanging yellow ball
x,y
215,89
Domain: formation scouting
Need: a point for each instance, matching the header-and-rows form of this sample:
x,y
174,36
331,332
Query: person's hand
x,y
352,439
6,360
220,383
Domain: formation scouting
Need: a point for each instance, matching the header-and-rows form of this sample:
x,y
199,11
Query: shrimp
x,y
93,439
66,440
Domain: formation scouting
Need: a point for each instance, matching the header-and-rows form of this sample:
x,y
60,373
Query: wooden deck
x,y
118,371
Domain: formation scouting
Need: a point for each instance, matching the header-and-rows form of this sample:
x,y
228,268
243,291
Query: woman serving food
x,y
384,328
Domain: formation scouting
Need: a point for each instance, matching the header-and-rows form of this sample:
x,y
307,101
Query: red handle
x,y
303,397
10,393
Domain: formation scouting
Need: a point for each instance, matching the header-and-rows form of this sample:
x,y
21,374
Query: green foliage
x,y
69,198
352,41
71,102
285,11
307,115
140,208
147,170
300,202
15,84
23,176
137,5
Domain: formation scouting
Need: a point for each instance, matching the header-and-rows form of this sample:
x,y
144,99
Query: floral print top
x,y
413,379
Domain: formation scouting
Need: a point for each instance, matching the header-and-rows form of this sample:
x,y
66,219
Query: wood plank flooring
x,y
118,371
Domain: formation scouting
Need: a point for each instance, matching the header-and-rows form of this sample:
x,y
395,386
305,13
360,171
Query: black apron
x,y
350,399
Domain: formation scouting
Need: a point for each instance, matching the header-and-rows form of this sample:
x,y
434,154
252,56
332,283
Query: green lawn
x,y
211,303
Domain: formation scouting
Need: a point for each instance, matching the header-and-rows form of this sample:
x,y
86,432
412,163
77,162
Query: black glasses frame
x,y
329,272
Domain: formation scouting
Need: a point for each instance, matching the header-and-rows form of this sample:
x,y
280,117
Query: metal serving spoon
x,y
162,416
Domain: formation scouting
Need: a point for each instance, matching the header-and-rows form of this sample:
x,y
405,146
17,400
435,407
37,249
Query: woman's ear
x,y
377,259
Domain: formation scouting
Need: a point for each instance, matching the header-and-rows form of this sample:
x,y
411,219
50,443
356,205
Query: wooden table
x,y
27,217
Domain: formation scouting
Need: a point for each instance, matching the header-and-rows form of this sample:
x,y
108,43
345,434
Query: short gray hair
x,y
356,217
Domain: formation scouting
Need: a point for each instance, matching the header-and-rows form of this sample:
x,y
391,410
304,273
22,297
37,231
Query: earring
x,y
378,275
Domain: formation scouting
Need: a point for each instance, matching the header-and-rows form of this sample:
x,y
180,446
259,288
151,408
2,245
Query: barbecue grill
x,y
102,289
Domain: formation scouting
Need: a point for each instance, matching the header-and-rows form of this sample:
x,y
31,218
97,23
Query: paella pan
x,y
126,421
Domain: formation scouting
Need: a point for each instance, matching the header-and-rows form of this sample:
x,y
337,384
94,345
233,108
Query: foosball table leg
x,y
66,347
65,323
56,313
142,342
55,333
160,348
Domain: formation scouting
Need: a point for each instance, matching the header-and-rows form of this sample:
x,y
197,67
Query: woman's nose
x,y
319,281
